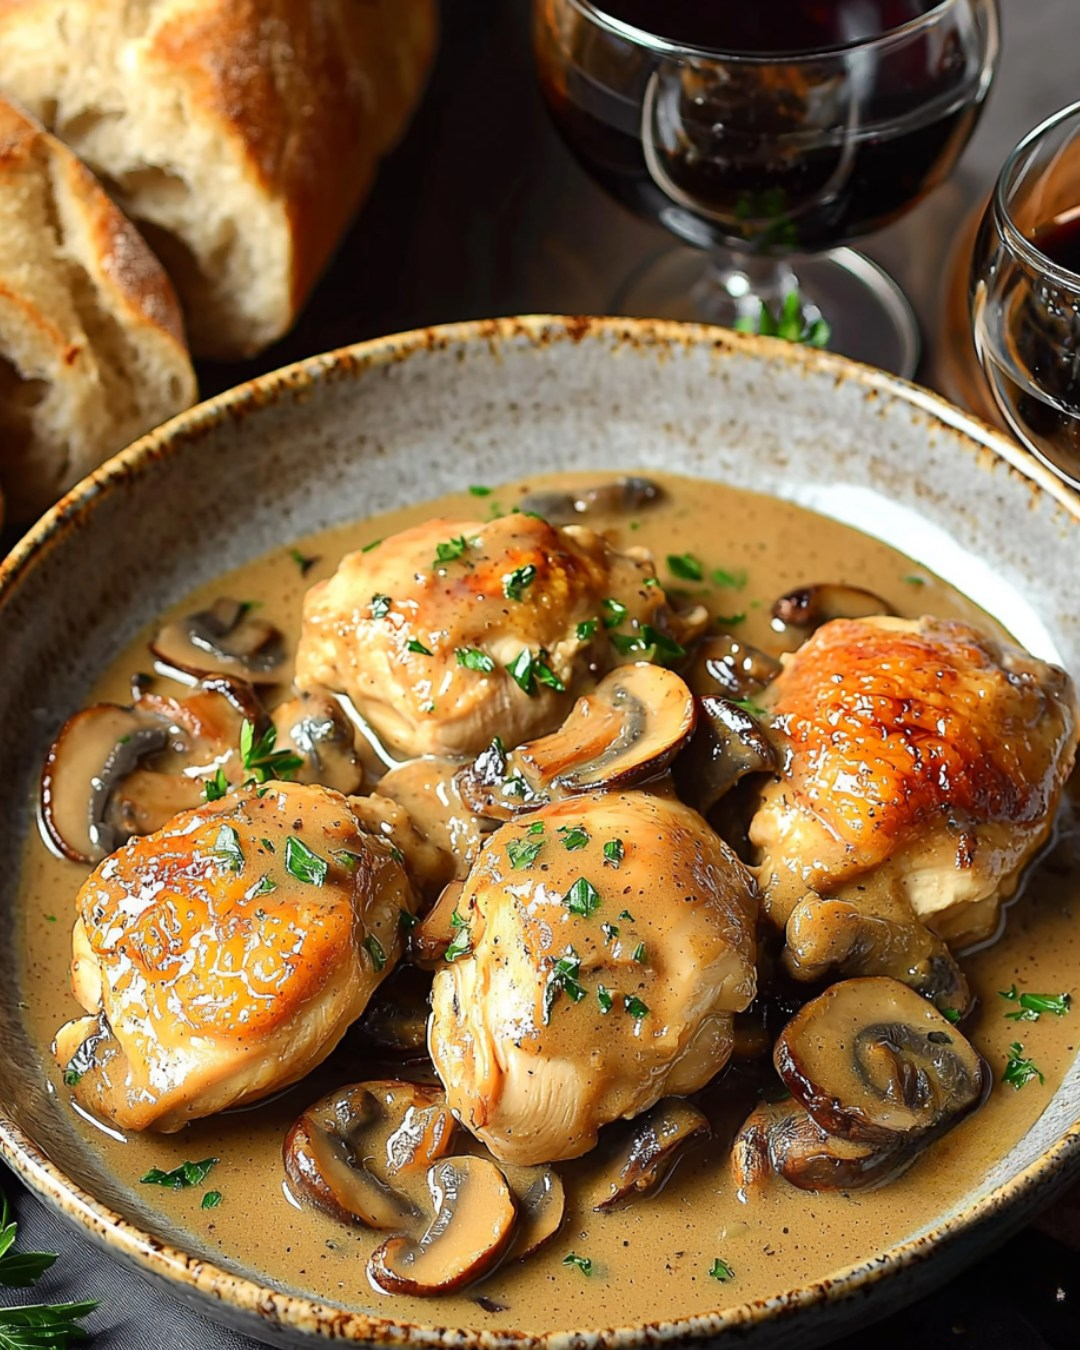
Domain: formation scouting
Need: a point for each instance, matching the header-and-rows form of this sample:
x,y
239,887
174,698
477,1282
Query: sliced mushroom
x,y
727,665
541,1204
872,934
314,725
728,744
618,497
649,1150
872,1061
114,772
427,789
627,731
796,615
342,1153
471,1231
396,1017
229,638
429,940
783,1138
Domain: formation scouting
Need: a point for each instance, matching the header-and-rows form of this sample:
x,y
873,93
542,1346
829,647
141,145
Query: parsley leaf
x,y
586,629
211,1200
462,940
515,582
685,566
614,852
735,581
375,950
450,550
18,1269
730,620
305,564
650,642
472,658
721,1271
574,837
478,491
1019,1070
614,612
227,849
261,760
415,645
406,921
522,854
638,954
582,1262
44,1326
303,864
951,1014
603,997
380,606
182,1177
215,788
528,670
582,898
1032,1006
564,978
635,1007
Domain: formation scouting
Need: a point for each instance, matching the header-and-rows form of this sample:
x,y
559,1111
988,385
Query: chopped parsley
x,y
627,916
180,1178
375,950
461,943
721,1271
638,954
380,606
564,979
305,564
265,886
951,1014
685,566
614,612
472,658
915,580
19,1269
582,1262
303,864
537,827
735,581
368,547
1019,1070
450,550
211,1200
215,788
610,931
582,898
1032,1006
227,849
406,921
516,582
748,705
415,645
586,629
261,760
479,491
603,997
528,671
650,642
635,1007
574,837
347,858
730,620
71,1077
523,854
614,852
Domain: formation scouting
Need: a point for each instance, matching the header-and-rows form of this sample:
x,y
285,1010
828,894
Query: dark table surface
x,y
481,212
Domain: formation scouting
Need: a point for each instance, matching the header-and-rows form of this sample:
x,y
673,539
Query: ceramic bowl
x,y
405,418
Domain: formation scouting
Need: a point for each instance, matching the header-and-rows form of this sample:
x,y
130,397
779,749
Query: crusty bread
x,y
92,347
240,135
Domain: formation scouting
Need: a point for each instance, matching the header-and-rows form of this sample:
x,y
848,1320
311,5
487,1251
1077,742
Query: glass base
x,y
868,315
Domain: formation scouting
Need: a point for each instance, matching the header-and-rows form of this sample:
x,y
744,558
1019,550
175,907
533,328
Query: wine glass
x,y
1025,292
768,153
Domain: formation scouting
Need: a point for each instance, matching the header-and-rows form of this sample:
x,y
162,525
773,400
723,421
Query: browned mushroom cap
x,y
113,772
783,1138
835,934
627,731
618,497
342,1153
472,1228
314,725
872,1061
229,638
643,1159
541,1204
797,614
728,743
726,665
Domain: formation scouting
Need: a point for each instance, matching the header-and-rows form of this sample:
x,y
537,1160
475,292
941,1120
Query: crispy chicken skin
x,y
213,974
923,764
393,627
593,986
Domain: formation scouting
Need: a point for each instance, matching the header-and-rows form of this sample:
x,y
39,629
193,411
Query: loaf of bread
x,y
240,135
92,349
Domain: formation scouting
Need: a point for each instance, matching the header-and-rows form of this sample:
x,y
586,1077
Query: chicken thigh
x,y
224,956
603,945
922,767
452,632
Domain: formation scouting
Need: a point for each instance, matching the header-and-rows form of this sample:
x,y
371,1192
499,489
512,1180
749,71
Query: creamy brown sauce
x,y
651,1260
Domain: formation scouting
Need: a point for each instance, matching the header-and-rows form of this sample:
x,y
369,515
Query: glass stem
x,y
747,282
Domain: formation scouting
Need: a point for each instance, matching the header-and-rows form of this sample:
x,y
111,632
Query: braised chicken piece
x,y
922,763
453,632
601,948
223,957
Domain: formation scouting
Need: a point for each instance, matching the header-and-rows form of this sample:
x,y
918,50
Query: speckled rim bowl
x,y
406,418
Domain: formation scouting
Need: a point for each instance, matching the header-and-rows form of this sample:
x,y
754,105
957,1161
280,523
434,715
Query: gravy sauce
x,y
651,1260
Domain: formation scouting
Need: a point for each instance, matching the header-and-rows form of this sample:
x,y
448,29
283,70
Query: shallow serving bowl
x,y
407,418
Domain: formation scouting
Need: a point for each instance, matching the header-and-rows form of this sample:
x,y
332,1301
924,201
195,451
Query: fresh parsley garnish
x,y
614,852
227,849
564,979
582,1262
635,1007
375,950
586,629
516,582
638,954
44,1326
303,864
450,550
627,916
603,997
380,606
951,1014
472,658
215,788
582,898
650,642
406,921
261,760
685,566
1019,1070
614,612
265,887
181,1178
574,837
211,1200
610,931
522,853
735,581
461,942
305,564
415,645
18,1270
730,620
1032,1006
914,580
368,547
528,670
748,705
721,1271
478,491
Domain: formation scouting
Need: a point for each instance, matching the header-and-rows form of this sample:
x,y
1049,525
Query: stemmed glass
x,y
1025,292
768,153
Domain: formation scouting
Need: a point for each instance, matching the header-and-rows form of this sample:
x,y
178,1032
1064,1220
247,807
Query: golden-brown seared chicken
x,y
225,955
453,632
923,762
605,943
